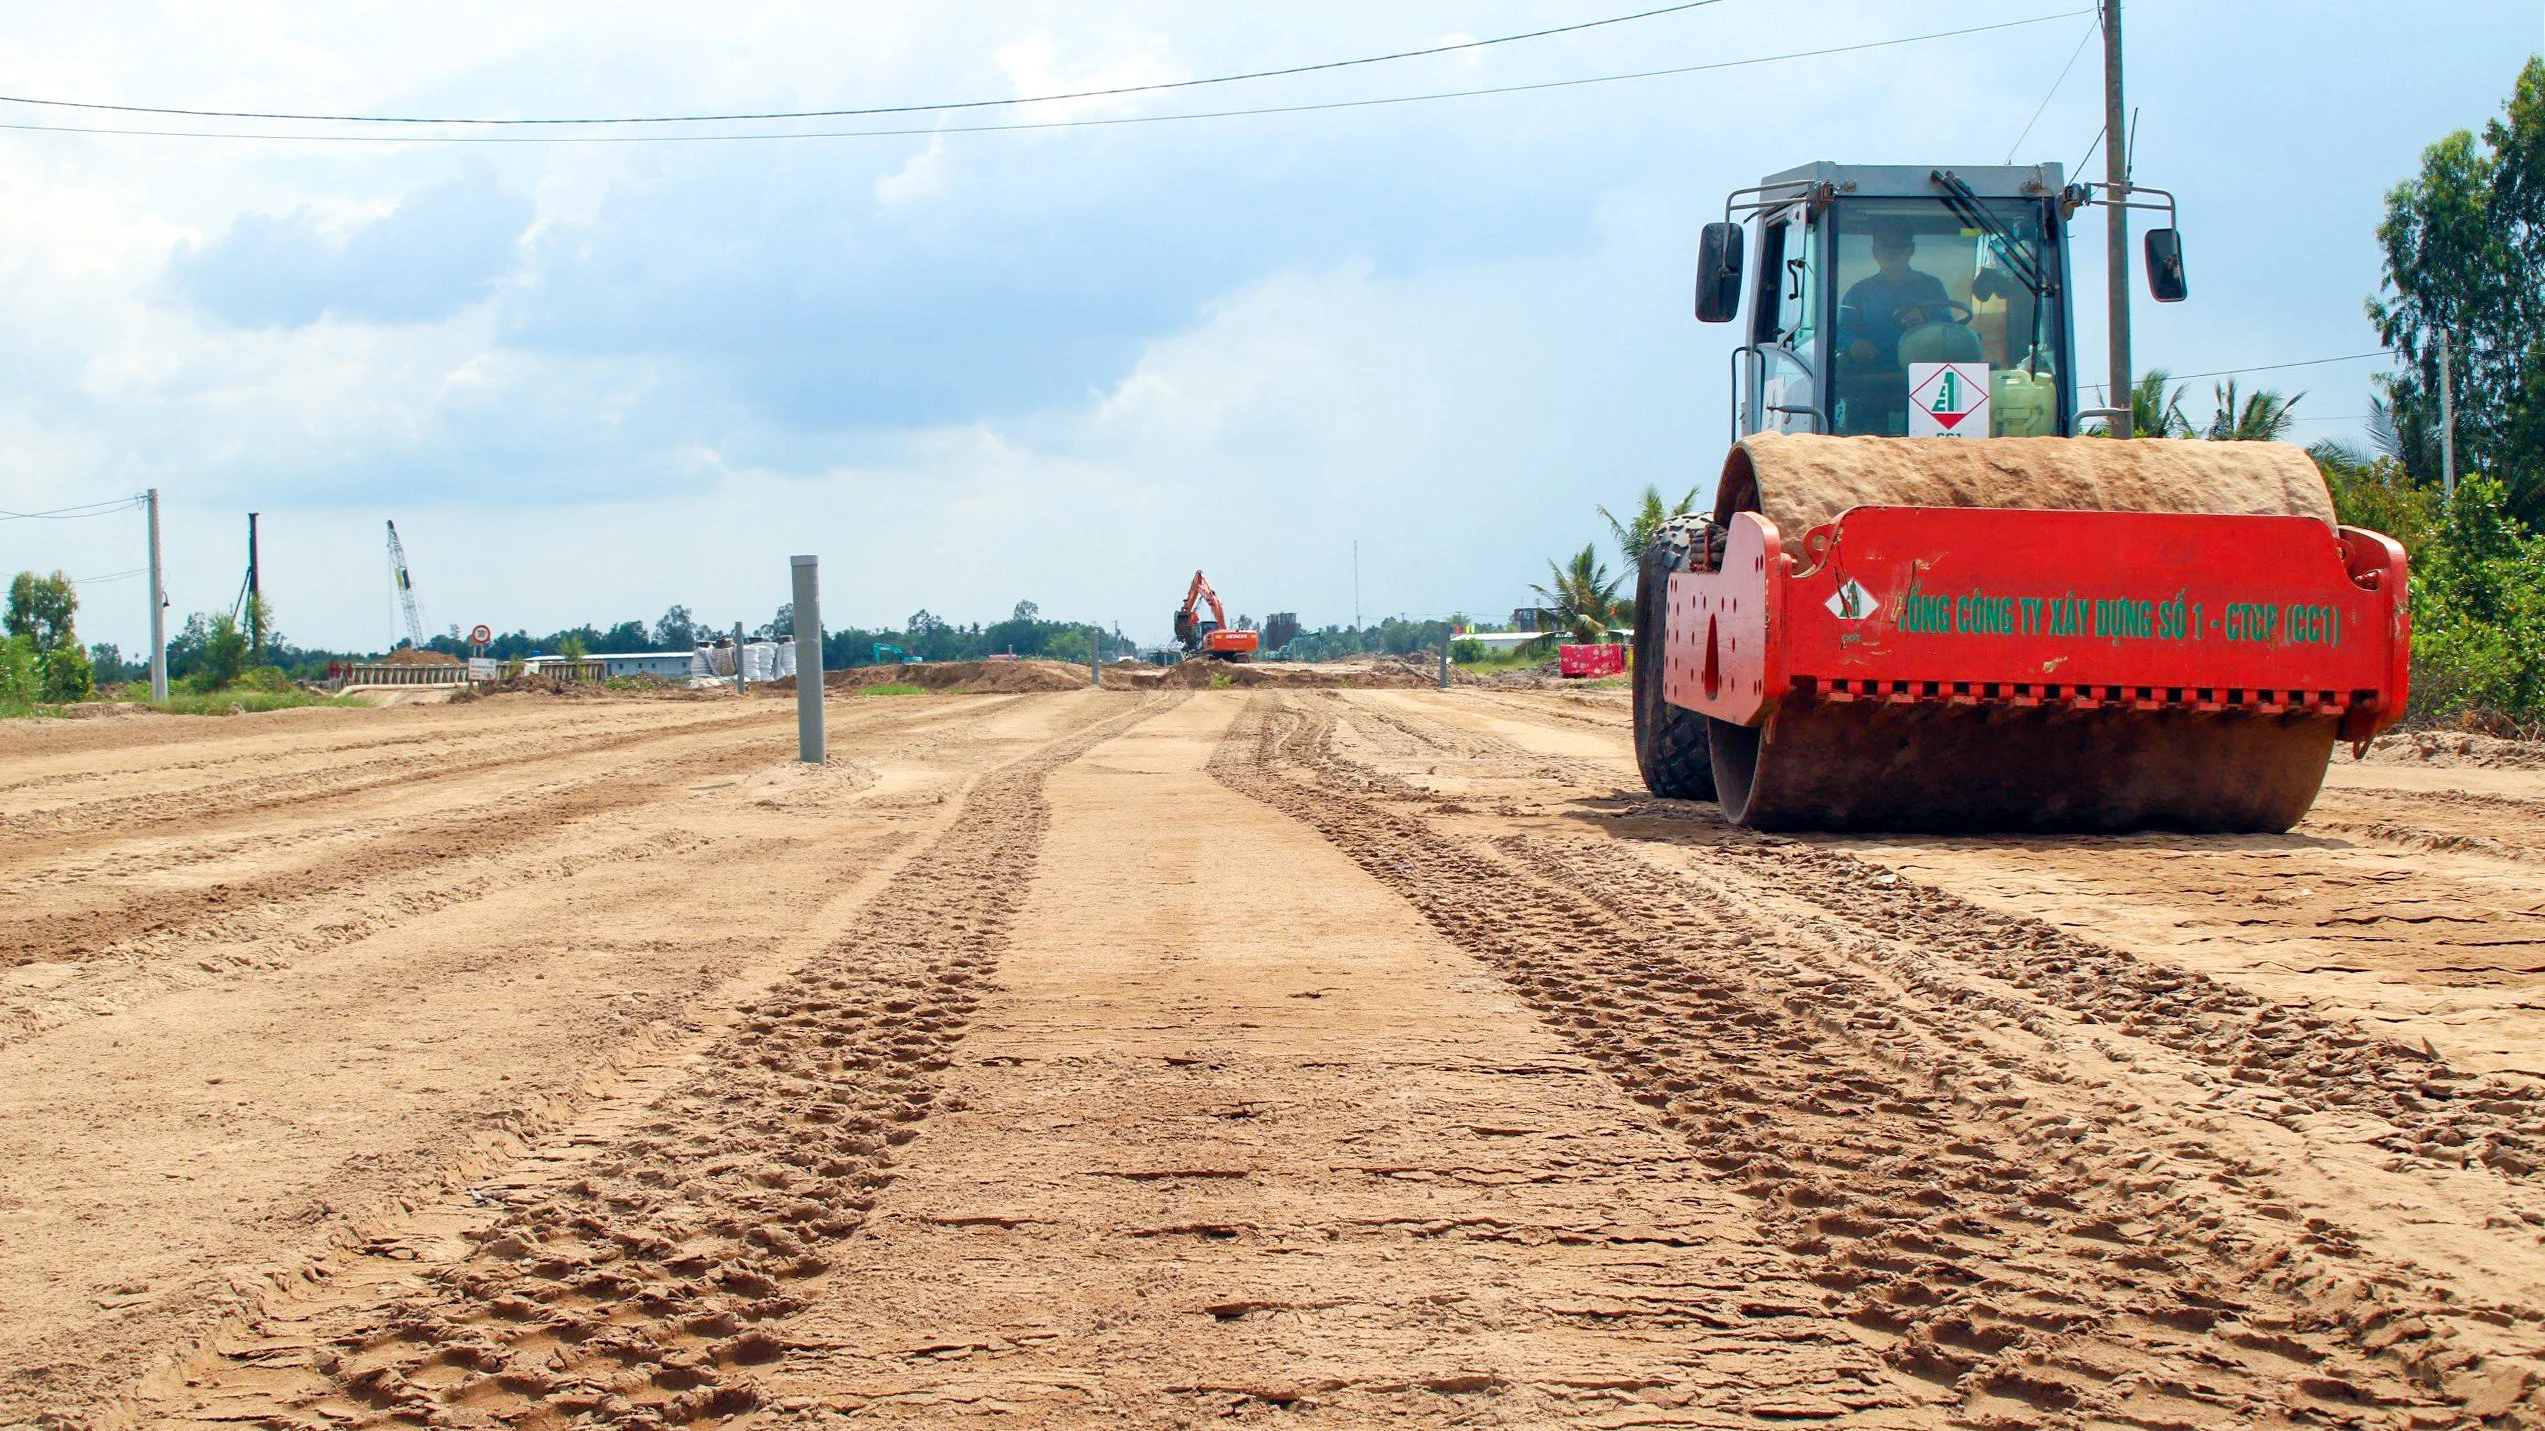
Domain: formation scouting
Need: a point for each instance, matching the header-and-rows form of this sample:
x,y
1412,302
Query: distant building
x,y
663,665
609,666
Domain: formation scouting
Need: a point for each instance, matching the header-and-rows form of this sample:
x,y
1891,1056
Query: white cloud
x,y
923,177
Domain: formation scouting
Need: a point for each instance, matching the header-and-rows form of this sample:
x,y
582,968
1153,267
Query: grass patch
x,y
893,688
1477,657
251,702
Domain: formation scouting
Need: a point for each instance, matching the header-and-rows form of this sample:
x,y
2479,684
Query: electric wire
x,y
2276,367
1119,120
110,576
938,107
2044,107
84,509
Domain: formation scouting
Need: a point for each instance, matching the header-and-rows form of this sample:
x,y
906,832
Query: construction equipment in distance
x,y
890,655
1923,601
1212,638
406,590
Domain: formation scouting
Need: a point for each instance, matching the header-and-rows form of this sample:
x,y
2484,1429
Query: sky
x,y
589,380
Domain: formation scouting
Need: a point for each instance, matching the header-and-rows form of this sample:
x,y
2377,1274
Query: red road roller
x,y
1920,603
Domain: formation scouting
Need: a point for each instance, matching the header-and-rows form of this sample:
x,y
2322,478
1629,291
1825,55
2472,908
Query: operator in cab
x,y
1873,315
1890,301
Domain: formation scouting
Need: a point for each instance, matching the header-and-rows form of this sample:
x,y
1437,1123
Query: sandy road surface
x,y
1354,1058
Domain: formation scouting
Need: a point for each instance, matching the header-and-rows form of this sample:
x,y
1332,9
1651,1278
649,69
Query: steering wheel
x,y
1953,311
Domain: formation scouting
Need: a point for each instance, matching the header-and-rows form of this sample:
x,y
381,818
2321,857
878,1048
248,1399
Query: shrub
x,y
2478,608
21,684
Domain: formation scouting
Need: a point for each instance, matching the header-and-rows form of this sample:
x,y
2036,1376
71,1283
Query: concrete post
x,y
1448,633
2116,219
2447,423
741,682
1096,657
158,610
809,743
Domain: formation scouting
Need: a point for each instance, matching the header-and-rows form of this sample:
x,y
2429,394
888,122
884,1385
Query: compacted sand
x,y
1177,1056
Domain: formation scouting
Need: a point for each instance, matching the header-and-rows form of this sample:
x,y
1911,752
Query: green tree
x,y
41,610
21,683
2264,416
2464,246
2377,493
571,646
225,652
1650,512
678,631
1584,596
2478,599
2153,411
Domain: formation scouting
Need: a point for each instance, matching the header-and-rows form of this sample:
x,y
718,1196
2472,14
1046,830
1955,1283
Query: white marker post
x,y
809,745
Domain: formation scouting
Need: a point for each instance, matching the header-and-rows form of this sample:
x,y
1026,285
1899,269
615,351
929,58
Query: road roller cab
x,y
1923,600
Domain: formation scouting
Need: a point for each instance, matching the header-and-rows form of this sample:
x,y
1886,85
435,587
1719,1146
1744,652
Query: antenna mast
x,y
406,590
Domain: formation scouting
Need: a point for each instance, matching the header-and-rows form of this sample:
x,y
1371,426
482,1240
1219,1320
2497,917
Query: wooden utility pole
x,y
2116,242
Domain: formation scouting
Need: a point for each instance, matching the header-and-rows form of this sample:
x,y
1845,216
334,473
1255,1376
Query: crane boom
x,y
406,590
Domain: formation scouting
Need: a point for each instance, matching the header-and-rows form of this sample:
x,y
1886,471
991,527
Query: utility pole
x,y
2116,240
1356,583
255,593
742,680
2447,422
158,610
1096,656
809,744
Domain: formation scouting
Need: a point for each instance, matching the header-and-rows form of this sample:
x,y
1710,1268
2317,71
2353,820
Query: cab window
x,y
1917,284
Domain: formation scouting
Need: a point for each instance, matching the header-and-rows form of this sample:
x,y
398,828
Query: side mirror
x,y
1719,254
2165,277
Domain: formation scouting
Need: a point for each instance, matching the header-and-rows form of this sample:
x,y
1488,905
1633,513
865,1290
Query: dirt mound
x,y
1802,481
2456,748
976,677
411,656
1214,675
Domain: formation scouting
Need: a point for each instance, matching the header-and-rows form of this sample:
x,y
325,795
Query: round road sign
x,y
478,635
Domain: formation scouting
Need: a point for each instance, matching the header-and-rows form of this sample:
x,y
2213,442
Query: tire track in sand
x,y
2306,1062
2040,1293
72,934
641,1287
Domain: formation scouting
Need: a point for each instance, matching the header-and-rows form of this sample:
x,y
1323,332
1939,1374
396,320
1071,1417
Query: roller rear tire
x,y
1670,743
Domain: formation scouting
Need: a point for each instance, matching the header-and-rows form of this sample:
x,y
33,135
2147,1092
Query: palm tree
x,y
1584,598
2155,412
2264,417
1650,513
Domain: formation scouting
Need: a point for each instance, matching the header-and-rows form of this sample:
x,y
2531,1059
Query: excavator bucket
x,y
2030,634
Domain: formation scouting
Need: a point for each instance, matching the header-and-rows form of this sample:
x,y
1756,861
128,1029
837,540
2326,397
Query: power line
x,y
1059,123
110,576
2275,367
877,109
85,509
2090,32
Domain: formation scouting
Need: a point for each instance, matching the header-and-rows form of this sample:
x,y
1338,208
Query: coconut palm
x,y
1650,513
2263,417
1583,599
2155,412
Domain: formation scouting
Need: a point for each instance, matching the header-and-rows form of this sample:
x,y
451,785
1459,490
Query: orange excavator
x,y
1213,638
